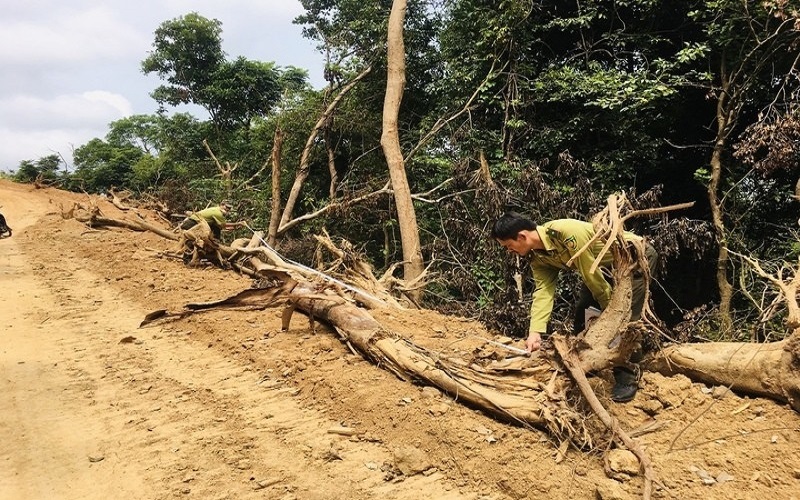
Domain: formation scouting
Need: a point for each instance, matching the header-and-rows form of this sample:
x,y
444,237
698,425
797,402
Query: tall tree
x,y
752,50
187,51
188,55
390,140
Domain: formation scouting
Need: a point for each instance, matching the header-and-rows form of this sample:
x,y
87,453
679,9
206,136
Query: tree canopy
x,y
544,108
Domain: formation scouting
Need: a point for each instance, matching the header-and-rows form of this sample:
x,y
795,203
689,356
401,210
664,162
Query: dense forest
x,y
544,108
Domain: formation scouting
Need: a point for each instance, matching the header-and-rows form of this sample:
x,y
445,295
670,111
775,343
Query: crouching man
x,y
549,247
215,217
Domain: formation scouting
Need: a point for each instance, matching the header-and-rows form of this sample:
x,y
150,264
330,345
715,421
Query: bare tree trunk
x,y
303,170
390,141
275,214
717,217
331,163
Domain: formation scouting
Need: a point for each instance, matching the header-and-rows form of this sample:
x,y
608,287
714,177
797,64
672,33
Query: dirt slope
x,y
224,405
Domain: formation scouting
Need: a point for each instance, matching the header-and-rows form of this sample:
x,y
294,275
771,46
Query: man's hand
x,y
534,342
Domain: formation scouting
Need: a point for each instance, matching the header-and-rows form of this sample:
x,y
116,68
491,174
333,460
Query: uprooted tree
x,y
538,391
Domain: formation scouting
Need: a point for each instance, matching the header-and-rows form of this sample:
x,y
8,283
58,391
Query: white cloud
x,y
32,127
92,109
69,38
71,68
273,11
19,146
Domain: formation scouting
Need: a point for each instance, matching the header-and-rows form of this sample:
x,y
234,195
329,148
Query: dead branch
x,y
93,217
788,289
118,199
269,255
769,370
441,122
226,172
331,206
246,184
303,168
622,202
483,176
356,270
608,341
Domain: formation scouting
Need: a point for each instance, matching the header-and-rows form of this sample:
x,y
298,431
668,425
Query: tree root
x,y
573,364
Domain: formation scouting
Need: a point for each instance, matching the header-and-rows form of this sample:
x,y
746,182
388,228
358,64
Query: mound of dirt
x,y
224,404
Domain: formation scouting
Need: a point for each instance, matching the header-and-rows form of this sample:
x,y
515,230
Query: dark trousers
x,y
585,298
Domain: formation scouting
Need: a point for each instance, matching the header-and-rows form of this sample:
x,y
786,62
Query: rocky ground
x,y
226,405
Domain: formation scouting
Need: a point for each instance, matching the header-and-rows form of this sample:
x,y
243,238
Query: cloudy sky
x,y
72,67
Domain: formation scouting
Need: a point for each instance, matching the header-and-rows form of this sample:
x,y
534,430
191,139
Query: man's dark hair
x,y
508,226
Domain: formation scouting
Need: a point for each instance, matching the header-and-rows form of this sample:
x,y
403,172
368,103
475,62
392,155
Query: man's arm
x,y
545,278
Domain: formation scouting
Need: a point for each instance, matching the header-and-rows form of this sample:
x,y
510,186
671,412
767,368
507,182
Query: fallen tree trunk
x,y
527,391
93,217
768,370
519,395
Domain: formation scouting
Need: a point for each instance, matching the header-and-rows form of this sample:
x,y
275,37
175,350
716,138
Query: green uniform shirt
x,y
212,215
561,239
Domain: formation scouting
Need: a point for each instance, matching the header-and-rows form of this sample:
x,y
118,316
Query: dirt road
x,y
227,405
91,407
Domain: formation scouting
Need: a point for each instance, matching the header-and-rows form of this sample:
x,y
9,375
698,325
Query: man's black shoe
x,y
626,383
622,393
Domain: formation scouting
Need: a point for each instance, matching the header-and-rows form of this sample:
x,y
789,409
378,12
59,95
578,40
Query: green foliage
x,y
241,90
101,165
346,26
187,51
607,89
45,168
188,55
489,281
567,102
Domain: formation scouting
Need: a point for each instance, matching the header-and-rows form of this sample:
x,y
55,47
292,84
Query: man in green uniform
x,y
550,246
214,216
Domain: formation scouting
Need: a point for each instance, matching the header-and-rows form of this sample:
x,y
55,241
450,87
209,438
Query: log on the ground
x,y
769,370
527,391
524,401
93,217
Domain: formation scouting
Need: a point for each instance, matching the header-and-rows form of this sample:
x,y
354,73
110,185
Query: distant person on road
x,y
4,227
215,217
549,247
